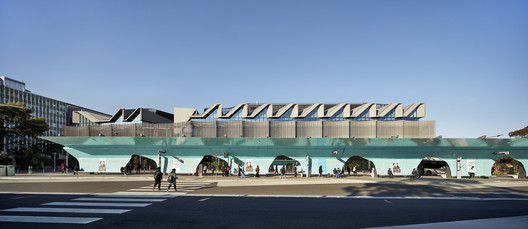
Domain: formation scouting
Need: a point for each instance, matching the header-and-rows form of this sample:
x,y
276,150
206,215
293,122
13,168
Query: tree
x,y
4,159
20,131
522,133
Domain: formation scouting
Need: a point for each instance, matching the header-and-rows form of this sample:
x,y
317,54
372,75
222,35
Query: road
x,y
268,203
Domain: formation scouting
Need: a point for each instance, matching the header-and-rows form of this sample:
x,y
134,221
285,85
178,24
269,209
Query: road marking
x,y
69,210
47,219
21,197
120,199
97,204
204,199
137,196
387,201
153,194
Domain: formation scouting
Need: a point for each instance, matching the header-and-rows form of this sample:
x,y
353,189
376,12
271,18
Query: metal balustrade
x,y
275,129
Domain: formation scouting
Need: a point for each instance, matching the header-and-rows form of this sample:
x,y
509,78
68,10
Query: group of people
x,y
337,172
158,177
64,169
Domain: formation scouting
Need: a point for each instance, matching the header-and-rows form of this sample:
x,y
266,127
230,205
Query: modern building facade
x,y
57,114
315,136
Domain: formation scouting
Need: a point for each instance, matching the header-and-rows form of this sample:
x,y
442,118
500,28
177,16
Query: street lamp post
x,y
159,158
54,161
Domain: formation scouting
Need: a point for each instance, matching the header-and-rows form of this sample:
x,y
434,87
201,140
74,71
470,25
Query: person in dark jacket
x,y
320,171
158,176
172,180
257,170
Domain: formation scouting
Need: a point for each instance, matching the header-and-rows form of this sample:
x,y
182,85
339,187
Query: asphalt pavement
x,y
117,201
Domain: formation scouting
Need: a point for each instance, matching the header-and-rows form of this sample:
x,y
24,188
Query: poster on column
x,y
176,164
322,162
471,166
396,167
102,164
249,166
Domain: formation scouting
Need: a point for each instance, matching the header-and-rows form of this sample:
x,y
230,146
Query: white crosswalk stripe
x,y
121,199
98,204
181,187
47,219
64,207
69,210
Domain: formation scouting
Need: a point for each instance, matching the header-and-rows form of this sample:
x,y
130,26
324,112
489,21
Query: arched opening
x,y
432,166
362,165
139,164
507,166
211,165
283,161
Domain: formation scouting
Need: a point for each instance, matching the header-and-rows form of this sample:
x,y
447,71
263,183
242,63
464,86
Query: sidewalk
x,y
269,180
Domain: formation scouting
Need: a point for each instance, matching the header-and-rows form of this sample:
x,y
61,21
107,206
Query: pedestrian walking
x,y
372,172
320,171
75,170
172,179
295,171
354,170
63,167
390,173
257,170
283,172
338,174
348,170
212,169
158,176
276,169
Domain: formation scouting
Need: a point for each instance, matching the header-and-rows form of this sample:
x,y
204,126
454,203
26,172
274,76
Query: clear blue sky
x,y
467,60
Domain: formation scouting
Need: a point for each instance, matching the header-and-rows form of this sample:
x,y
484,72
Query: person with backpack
x,y
158,176
172,180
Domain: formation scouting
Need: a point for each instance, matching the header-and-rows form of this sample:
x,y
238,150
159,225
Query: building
x,y
310,136
57,114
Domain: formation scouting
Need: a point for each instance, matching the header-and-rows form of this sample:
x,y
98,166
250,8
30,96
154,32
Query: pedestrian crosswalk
x,y
70,210
181,188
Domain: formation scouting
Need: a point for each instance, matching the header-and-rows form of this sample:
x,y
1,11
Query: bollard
x,y
30,169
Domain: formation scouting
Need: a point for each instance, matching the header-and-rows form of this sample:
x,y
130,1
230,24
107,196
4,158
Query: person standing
x,y
172,180
283,172
295,171
372,172
348,170
158,176
212,169
354,170
320,171
390,173
257,170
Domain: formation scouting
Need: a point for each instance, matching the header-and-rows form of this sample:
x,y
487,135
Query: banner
x,y
176,164
322,162
102,164
396,167
249,166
